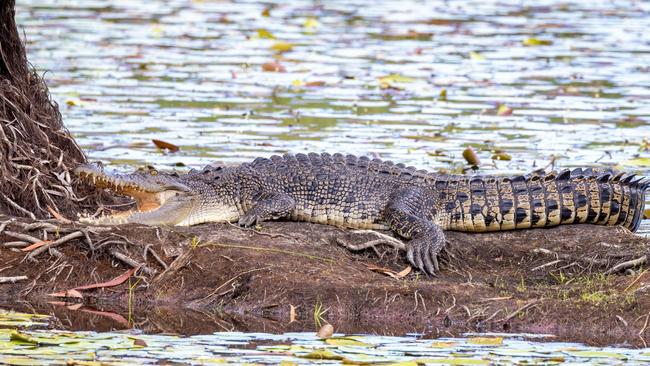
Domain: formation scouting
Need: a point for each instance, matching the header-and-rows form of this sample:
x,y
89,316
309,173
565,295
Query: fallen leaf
x,y
389,272
470,156
282,46
36,245
266,12
165,145
58,216
273,67
325,331
536,42
403,273
114,282
646,214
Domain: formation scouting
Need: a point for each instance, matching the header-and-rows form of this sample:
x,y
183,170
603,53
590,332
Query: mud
x,y
221,277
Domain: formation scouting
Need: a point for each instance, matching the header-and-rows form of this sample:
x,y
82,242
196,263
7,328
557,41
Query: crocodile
x,y
360,192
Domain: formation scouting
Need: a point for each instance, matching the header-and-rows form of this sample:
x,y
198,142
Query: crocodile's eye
x,y
153,172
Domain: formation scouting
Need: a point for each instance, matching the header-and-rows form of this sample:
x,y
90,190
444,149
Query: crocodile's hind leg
x,y
404,215
268,206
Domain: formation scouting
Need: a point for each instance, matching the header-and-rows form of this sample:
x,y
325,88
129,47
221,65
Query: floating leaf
x,y
263,33
486,341
470,156
165,145
311,24
597,354
315,83
443,95
504,110
637,162
273,67
297,83
476,56
441,344
536,42
322,354
395,78
346,341
282,46
501,156
266,12
455,361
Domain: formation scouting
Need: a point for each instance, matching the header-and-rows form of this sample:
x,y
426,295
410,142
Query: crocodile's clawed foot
x,y
248,220
423,255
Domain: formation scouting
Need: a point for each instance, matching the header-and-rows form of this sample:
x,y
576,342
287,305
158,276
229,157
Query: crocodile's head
x,y
160,198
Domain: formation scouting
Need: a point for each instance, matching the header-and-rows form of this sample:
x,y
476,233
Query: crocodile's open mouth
x,y
149,191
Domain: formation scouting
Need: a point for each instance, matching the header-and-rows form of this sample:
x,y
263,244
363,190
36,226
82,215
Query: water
x,y
34,347
415,82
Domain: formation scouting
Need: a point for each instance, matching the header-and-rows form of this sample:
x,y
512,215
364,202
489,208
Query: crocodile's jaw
x,y
160,199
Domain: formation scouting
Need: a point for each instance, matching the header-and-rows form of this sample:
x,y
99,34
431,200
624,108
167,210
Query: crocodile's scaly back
x,y
538,200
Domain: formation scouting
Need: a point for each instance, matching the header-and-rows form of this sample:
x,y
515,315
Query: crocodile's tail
x,y
544,199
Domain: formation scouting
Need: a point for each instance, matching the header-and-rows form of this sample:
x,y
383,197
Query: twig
x,y
268,250
133,263
514,313
546,265
155,255
18,207
16,244
23,237
13,279
5,223
627,264
62,240
230,280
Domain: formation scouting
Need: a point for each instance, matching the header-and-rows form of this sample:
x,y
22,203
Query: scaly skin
x,y
358,192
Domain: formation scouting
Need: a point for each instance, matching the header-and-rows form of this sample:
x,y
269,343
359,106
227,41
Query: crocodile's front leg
x,y
403,215
268,206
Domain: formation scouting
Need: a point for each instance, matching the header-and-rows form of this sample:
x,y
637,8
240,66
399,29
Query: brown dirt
x,y
223,277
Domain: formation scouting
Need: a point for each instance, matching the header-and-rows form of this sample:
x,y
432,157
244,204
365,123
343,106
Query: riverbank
x,y
566,281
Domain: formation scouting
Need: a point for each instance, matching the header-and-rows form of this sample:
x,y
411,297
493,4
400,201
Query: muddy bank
x,y
290,276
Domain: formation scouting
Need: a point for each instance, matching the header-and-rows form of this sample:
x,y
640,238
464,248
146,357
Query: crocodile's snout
x,y
151,192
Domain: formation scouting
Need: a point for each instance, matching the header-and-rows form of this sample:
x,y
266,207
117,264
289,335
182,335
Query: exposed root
x,y
37,153
627,264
